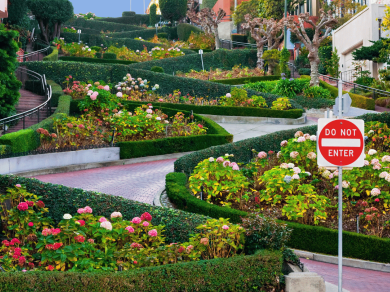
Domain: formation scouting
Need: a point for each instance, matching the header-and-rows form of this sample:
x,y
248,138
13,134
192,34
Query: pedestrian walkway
x,y
354,279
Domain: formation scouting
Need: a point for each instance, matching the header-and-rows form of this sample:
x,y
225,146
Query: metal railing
x,y
36,55
22,73
229,44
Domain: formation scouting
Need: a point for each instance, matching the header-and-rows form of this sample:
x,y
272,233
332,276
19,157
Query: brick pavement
x,y
138,182
354,279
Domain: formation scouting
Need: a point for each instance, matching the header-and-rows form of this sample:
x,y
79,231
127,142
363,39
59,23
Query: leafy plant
x,y
316,92
282,103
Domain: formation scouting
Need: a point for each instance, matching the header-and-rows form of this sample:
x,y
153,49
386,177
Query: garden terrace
x,y
81,23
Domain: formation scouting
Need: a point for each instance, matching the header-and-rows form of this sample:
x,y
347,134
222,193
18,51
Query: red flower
x,y
22,259
31,224
50,268
17,250
82,222
40,204
257,200
31,265
79,238
5,242
57,245
30,203
376,200
270,152
181,249
86,110
15,241
23,206
200,126
135,262
373,139
15,256
146,216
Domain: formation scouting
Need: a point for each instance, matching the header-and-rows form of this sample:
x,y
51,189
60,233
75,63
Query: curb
x,y
156,200
347,262
257,120
76,167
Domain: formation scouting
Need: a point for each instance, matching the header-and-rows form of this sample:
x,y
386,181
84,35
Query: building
x,y
3,9
158,11
357,32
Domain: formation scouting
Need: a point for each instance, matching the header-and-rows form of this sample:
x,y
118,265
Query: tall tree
x,y
264,31
17,11
275,8
209,20
246,7
173,10
50,14
152,15
326,22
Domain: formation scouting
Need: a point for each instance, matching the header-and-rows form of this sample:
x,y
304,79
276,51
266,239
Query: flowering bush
x,y
71,29
87,242
78,50
161,53
281,104
201,41
218,74
239,97
88,15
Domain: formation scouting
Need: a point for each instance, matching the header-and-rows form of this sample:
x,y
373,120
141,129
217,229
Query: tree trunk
x,y
271,68
43,30
314,62
55,30
217,45
59,31
260,60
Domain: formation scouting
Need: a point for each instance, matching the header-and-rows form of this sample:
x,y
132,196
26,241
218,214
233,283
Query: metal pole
x,y
285,28
340,243
201,56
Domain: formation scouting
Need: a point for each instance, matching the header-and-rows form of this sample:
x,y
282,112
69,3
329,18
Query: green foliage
x,y
332,64
325,54
5,149
9,85
184,31
294,39
245,80
284,58
137,19
208,4
53,56
290,87
304,71
173,10
371,53
157,69
313,102
147,33
128,13
246,7
162,35
96,60
242,38
109,56
271,59
260,272
99,26
17,10
316,92
364,78
152,14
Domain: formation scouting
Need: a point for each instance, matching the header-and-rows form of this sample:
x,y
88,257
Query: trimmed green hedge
x,y
53,56
314,102
243,80
242,273
138,19
28,139
145,34
96,60
128,13
305,237
224,59
109,56
101,25
184,31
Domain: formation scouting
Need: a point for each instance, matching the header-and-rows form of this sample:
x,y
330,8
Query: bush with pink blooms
x,y
86,241
289,185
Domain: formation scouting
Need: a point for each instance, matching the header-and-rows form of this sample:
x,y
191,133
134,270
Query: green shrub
x,y
147,33
157,69
364,80
128,13
316,92
382,101
162,35
152,14
241,38
99,25
316,103
109,56
5,149
96,48
97,55
53,56
263,86
245,80
261,273
304,71
96,60
184,31
305,237
137,19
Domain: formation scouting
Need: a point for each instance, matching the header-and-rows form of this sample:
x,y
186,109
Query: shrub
x,y
162,35
97,60
96,48
53,56
184,31
313,102
246,80
5,149
290,87
383,101
316,92
109,56
152,14
128,13
241,38
157,69
136,19
98,25
304,71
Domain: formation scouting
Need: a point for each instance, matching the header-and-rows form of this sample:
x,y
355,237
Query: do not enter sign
x,y
340,142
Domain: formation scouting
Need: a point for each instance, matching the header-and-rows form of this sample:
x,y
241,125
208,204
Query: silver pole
x,y
340,259
130,5
201,56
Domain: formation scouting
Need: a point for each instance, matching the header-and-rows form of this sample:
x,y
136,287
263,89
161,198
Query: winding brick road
x,y
138,182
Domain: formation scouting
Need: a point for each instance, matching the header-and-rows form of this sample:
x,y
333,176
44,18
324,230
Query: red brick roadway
x,y
138,182
354,279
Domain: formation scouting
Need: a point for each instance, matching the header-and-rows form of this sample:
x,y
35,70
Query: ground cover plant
x,y
288,185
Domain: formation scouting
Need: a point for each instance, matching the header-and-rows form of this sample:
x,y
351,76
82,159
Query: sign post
x,y
156,25
201,57
340,143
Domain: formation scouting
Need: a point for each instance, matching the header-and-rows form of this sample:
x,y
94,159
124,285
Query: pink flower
x,y
136,245
55,231
366,162
119,94
228,95
262,155
226,163
225,227
130,229
295,176
297,170
149,111
31,224
200,126
116,215
81,222
106,88
15,241
219,159
18,186
23,206
234,166
79,238
374,161
283,143
81,211
153,233
88,209
46,232
22,259
377,166
5,242
146,216
145,223
91,240
106,224
136,220
294,154
160,100
301,139
204,241
17,250
375,192
377,200
102,219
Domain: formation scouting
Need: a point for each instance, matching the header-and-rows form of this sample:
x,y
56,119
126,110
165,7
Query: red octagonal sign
x,y
340,142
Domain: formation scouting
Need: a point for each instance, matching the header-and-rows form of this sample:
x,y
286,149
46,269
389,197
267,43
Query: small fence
x,y
229,44
38,55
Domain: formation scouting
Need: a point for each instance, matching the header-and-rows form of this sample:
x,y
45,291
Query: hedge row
x,y
244,80
96,60
101,25
138,19
229,110
314,102
242,273
28,139
224,59
53,56
242,150
305,237
146,33
184,31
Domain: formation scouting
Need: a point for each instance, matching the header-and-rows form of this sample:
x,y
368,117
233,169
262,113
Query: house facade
x,y
3,9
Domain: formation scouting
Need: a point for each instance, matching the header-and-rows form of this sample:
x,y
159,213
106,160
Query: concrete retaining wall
x,y
16,165
256,120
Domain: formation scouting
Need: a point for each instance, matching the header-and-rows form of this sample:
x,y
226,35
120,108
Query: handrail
x,y
231,43
36,110
26,57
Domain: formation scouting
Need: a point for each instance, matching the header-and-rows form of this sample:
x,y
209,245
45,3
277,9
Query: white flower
x,y
375,192
106,224
371,132
297,170
278,154
283,143
211,159
89,50
284,165
67,216
294,154
387,178
366,163
290,165
156,86
158,119
311,155
383,174
313,138
149,116
326,174
301,139
386,158
372,152
116,214
226,154
295,176
228,95
345,184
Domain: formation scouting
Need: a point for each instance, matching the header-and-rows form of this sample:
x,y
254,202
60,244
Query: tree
x,y
9,85
50,14
247,7
17,12
327,22
173,10
209,20
275,8
152,15
332,64
264,31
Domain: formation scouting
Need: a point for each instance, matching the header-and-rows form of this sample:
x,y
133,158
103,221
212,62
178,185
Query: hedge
x,y
241,38
227,110
53,56
305,237
224,59
128,13
314,102
241,273
244,80
184,31
96,60
138,19
359,101
28,139
146,33
101,25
